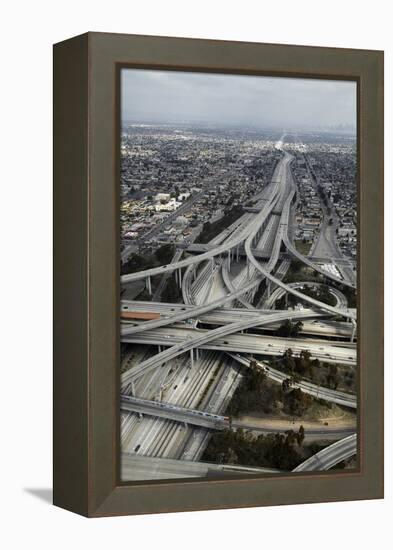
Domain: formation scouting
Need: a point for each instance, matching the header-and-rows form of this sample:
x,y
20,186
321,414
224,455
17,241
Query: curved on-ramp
x,y
330,456
283,236
341,300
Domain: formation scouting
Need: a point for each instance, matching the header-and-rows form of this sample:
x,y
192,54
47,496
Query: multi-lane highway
x,y
174,398
139,467
206,336
337,352
223,316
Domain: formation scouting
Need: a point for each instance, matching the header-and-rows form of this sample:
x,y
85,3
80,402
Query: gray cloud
x,y
169,96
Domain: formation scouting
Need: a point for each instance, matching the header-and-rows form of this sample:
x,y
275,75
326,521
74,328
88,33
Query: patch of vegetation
x,y
211,230
299,272
328,375
298,367
139,262
172,292
165,253
267,451
288,329
255,393
303,247
320,293
296,402
350,294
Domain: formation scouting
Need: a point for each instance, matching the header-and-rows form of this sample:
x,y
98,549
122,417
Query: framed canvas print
x,y
218,260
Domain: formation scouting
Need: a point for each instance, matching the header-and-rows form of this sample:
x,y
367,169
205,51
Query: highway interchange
x,y
184,367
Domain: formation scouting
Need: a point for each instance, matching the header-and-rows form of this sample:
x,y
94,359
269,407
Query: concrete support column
x,y
159,349
353,334
268,288
286,300
148,285
197,353
180,277
133,388
229,259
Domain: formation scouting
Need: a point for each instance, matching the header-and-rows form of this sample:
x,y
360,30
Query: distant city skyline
x,y
233,100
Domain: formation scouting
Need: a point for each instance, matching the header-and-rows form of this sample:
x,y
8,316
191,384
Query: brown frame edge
x,y
86,274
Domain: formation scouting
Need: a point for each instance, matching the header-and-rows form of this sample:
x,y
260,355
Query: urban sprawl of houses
x,y
188,176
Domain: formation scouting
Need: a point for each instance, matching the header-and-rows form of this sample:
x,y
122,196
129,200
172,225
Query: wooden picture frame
x,y
87,279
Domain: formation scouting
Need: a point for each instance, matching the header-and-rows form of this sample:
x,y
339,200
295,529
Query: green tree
x,y
164,254
300,436
296,402
289,361
286,384
332,377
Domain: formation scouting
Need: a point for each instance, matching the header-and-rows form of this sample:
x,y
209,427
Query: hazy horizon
x,y
171,97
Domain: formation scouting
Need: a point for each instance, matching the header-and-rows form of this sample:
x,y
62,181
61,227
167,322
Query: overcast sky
x,y
290,103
